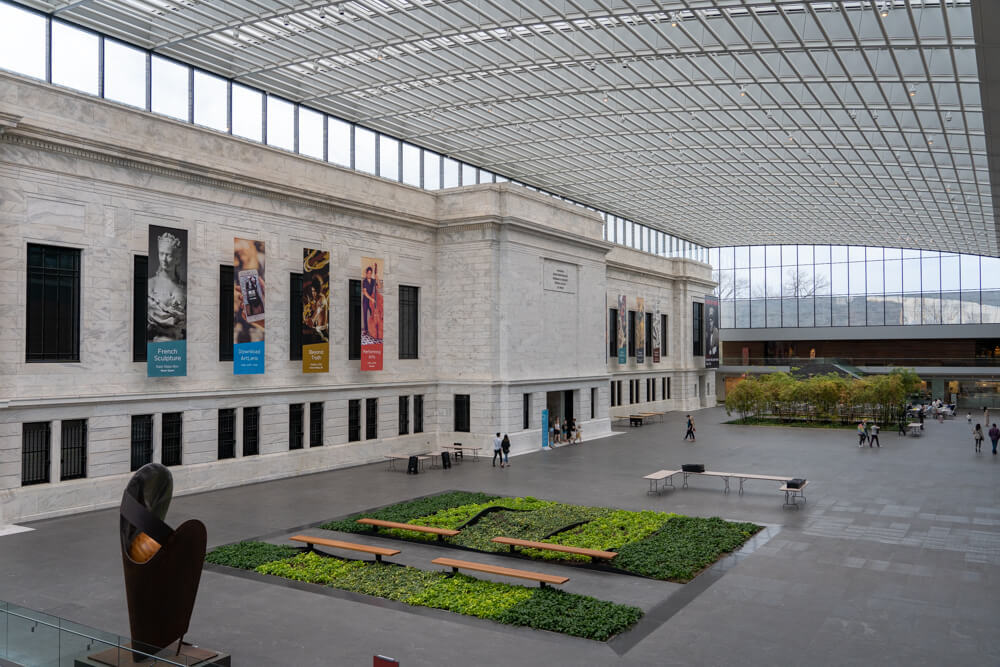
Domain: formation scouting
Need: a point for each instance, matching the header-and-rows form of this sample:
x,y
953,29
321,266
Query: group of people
x,y
501,450
868,434
565,432
978,437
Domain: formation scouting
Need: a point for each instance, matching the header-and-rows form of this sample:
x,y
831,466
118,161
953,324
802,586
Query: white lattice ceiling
x,y
734,121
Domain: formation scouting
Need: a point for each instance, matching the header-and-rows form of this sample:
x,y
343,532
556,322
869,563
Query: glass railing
x,y
32,638
901,362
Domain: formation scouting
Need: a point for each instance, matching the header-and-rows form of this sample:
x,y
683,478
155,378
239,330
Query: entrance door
x,y
568,404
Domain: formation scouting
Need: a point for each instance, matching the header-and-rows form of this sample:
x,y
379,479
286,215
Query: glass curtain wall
x,y
840,286
35,45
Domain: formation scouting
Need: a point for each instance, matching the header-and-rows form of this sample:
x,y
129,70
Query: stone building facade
x,y
514,289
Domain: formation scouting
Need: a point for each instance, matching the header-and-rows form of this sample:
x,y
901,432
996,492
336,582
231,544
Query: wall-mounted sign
x,y
559,276
166,303
640,331
315,311
371,313
622,330
248,307
711,331
656,335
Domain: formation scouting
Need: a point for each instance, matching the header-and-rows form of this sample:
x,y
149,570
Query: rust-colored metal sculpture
x,y
162,566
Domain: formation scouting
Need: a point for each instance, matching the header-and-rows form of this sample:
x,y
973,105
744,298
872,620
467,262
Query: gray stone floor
x,y
893,560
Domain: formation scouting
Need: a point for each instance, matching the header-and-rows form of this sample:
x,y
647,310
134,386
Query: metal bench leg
x,y
741,485
685,485
726,480
378,558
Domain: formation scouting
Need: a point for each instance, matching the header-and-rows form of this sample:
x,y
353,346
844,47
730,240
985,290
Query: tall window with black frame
x,y
172,431
418,413
371,418
53,304
35,452
227,433
296,426
315,424
354,420
697,328
404,415
462,413
409,321
142,441
251,431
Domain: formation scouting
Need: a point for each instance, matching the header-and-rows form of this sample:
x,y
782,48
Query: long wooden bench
x,y
742,476
528,544
542,579
767,478
350,546
440,532
665,476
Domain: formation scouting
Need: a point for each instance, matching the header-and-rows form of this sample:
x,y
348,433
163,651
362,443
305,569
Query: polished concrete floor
x,y
893,560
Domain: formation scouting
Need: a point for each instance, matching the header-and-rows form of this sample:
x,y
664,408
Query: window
x,y
171,438
353,420
697,323
462,413
311,133
612,332
651,389
140,271
169,84
211,104
315,424
295,317
35,453
22,41
619,382
664,348
354,320
280,123
248,112
227,433
631,393
409,321
338,142
251,431
649,337
526,411
593,402
418,414
666,392
225,312
631,333
296,427
142,441
371,418
73,445
53,310
404,415
613,394
74,57
124,74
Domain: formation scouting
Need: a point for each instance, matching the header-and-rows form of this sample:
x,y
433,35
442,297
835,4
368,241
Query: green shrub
x,y
683,547
606,533
533,525
249,555
404,512
384,580
456,517
578,615
310,567
472,597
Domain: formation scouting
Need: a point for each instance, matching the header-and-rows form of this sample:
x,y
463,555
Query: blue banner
x,y
545,429
248,358
166,358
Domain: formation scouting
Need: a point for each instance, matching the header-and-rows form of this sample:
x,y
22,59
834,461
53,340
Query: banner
x,y
545,429
371,313
248,307
166,303
656,335
622,331
640,331
711,331
315,311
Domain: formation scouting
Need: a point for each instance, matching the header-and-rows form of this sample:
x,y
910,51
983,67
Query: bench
x,y
379,523
792,493
665,476
916,428
542,579
652,415
726,476
593,553
422,459
743,477
709,473
350,546
635,420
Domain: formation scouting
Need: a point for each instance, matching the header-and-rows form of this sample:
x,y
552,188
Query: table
x,y
792,493
421,459
915,428
461,449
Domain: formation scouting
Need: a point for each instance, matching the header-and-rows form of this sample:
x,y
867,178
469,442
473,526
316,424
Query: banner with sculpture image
x,y
711,331
640,330
248,307
656,335
371,313
166,303
315,311
622,330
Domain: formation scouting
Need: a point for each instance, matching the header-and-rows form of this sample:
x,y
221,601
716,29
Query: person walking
x,y
690,429
994,436
570,426
861,434
496,451
555,432
873,436
868,432
505,446
977,435
902,426
578,431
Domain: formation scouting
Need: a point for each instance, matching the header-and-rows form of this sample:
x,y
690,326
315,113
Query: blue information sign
x,y
545,429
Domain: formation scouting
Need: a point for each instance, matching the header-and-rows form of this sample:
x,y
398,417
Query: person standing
x,y
902,426
496,451
868,432
570,427
579,434
994,436
555,432
505,446
873,436
977,435
690,429
861,434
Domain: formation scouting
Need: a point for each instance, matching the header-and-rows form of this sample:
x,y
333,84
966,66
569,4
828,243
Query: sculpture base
x,y
189,655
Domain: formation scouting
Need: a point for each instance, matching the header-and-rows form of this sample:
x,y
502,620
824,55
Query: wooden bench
x,y
665,476
652,415
769,478
580,551
635,420
709,473
350,546
792,493
440,532
542,579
